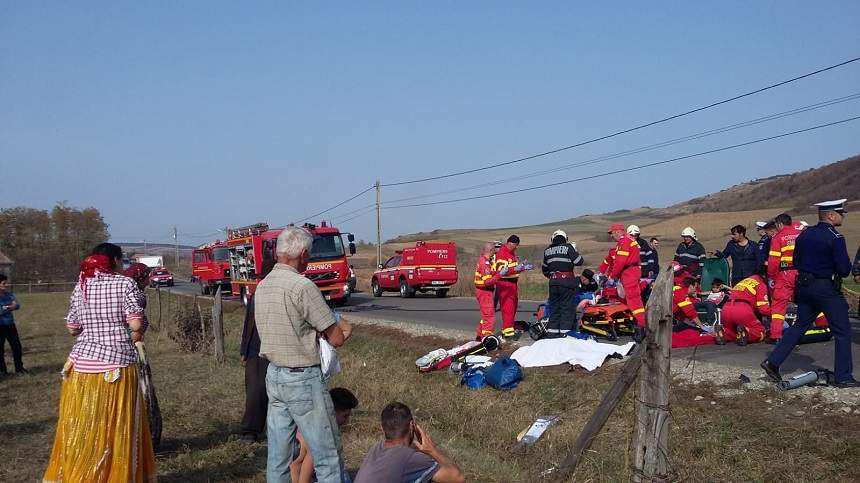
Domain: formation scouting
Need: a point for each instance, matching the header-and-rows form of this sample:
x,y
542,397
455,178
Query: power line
x,y
365,213
347,213
629,130
624,170
651,147
335,206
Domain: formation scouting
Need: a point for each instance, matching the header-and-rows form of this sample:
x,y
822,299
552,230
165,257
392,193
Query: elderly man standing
x,y
291,316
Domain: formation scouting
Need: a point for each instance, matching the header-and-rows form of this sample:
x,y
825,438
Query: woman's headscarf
x,y
89,267
137,272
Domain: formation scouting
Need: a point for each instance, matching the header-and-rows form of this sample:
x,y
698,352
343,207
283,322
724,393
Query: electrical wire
x,y
651,147
347,213
367,212
628,130
625,170
335,206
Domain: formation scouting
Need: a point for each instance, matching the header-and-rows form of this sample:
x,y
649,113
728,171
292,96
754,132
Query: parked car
x,y
427,267
160,276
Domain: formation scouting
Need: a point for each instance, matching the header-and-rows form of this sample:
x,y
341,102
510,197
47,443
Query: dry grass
x,y
735,439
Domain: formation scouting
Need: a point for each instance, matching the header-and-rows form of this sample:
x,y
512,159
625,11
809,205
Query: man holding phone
x,y
407,454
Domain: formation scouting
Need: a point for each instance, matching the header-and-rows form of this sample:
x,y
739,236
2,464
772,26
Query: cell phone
x,y
416,435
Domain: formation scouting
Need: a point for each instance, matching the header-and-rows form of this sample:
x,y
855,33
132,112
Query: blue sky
x,y
211,114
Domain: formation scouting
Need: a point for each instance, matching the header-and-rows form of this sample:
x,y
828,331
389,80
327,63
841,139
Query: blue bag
x,y
473,378
504,374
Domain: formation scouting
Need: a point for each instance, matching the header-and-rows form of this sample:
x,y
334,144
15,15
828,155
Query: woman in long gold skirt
x,y
103,430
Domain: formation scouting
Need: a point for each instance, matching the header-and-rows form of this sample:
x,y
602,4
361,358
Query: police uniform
x,y
821,259
558,262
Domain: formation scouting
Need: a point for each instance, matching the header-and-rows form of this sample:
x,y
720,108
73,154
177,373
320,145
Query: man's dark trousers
x,y
818,296
256,400
562,310
10,333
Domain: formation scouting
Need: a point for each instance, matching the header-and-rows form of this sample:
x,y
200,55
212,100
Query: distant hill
x,y
798,190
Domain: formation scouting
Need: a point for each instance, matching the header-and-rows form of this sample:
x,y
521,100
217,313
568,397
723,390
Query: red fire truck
x,y
252,255
428,266
210,266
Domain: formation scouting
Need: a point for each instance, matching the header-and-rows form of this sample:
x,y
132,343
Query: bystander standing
x,y
291,316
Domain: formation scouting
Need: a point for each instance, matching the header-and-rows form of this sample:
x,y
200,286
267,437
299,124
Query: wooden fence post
x,y
601,414
158,296
653,419
218,327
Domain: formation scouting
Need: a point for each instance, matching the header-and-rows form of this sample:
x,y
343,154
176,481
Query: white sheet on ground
x,y
588,354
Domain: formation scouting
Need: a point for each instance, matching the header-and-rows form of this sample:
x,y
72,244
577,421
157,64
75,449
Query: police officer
x,y
558,261
821,259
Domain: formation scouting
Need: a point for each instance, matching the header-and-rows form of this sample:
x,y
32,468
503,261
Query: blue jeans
x,y
301,400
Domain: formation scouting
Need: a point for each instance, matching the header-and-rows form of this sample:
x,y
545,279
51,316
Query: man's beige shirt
x,y
290,311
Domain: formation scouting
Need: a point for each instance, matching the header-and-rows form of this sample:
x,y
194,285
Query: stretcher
x,y
608,317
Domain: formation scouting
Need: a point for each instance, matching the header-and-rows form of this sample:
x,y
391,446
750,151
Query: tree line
x,y
48,246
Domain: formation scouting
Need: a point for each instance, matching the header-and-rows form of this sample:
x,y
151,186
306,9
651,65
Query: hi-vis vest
x,y
504,258
483,272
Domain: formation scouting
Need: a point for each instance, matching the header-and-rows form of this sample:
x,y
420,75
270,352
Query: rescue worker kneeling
x,y
558,261
741,315
684,305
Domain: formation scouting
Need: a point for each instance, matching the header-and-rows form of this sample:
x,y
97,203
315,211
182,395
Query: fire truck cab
x,y
210,266
252,252
426,267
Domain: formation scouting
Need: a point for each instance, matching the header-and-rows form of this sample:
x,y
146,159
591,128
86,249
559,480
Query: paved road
x,y
448,313
462,313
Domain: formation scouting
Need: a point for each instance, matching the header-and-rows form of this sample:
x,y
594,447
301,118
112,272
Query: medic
x,y
623,263
781,272
485,281
506,288
741,314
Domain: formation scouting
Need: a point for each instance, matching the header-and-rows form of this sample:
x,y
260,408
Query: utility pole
x,y
378,228
176,245
144,245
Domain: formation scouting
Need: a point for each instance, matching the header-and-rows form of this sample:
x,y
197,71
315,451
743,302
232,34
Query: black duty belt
x,y
562,275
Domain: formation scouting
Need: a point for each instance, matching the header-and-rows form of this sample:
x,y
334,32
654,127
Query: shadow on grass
x,y
194,443
28,427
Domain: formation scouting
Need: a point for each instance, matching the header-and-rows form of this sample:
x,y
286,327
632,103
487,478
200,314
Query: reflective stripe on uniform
x,y
639,311
775,254
680,304
622,253
787,248
761,303
778,316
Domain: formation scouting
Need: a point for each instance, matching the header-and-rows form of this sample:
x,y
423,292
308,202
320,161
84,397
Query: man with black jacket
x,y
256,400
558,262
650,268
746,259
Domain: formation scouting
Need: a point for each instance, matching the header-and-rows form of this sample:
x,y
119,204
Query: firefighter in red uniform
x,y
741,314
781,272
684,302
485,281
624,265
506,286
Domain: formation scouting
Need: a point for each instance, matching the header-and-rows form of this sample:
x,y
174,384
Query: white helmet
x,y
688,232
633,230
557,233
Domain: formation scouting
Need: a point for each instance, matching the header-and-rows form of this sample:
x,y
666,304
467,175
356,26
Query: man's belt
x,y
829,278
562,275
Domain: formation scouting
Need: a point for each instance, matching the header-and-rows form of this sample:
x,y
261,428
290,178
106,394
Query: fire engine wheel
x,y
441,293
375,288
405,290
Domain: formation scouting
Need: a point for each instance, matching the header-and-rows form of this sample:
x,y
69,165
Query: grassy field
x,y
713,439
